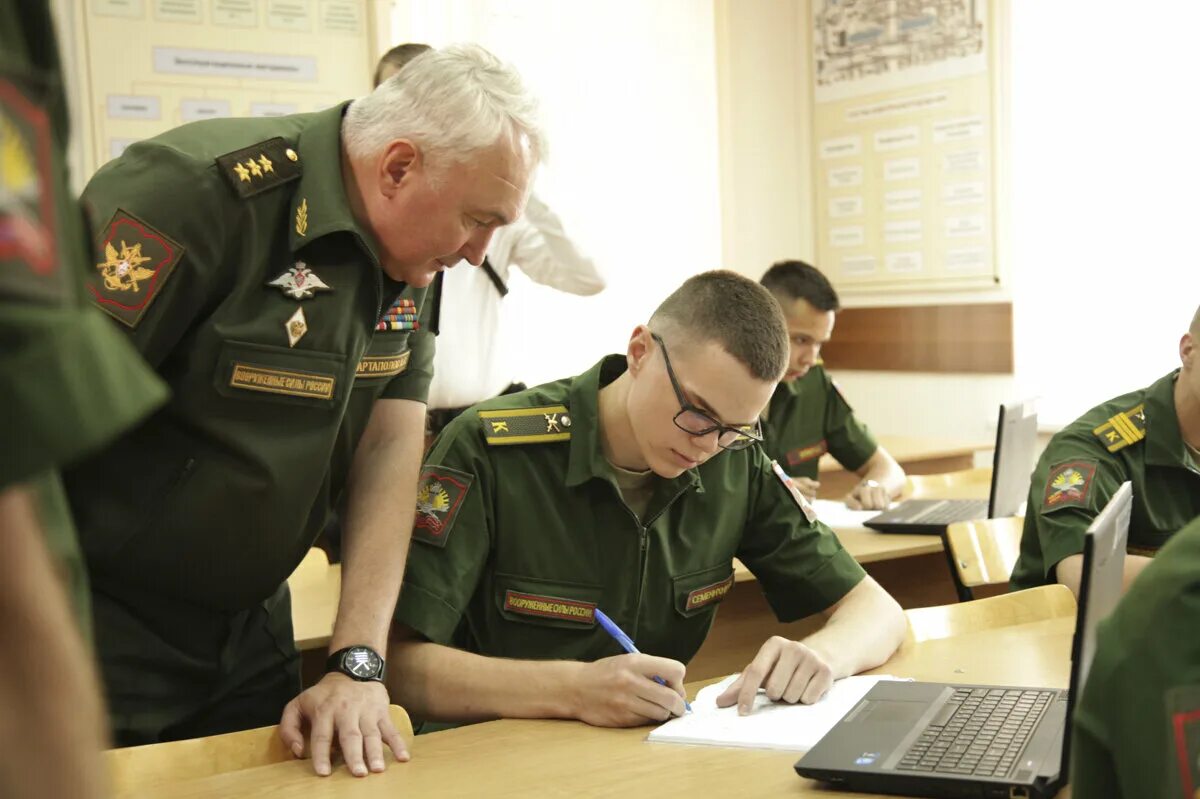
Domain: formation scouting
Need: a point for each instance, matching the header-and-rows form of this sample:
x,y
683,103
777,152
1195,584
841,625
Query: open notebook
x,y
772,725
835,514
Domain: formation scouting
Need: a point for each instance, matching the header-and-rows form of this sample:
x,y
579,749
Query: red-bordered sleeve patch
x,y
808,453
1183,704
440,494
28,229
133,262
1068,485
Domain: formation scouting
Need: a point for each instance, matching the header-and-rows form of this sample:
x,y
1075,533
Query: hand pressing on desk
x,y
356,712
620,691
789,671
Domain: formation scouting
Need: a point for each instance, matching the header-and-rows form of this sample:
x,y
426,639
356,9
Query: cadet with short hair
x,y
69,384
807,415
629,489
1137,725
1150,437
275,272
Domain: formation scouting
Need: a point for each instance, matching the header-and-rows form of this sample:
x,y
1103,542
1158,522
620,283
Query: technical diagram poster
x,y
904,143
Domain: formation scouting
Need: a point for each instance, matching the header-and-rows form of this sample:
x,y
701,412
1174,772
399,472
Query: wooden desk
x,y
916,455
314,608
566,758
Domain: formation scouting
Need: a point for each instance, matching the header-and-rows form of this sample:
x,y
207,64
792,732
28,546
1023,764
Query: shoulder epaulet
x,y
260,167
525,425
1123,429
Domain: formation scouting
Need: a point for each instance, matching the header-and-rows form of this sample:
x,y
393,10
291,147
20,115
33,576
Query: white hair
x,y
452,103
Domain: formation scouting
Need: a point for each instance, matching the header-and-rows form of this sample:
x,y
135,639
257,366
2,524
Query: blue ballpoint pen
x,y
626,643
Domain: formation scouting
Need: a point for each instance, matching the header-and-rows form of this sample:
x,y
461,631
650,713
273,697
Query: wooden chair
x,y
155,766
984,552
965,484
1021,607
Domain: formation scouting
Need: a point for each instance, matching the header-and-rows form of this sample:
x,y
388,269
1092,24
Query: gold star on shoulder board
x,y
242,172
267,166
254,168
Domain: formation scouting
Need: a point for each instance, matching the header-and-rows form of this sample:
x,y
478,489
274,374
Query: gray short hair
x,y
452,103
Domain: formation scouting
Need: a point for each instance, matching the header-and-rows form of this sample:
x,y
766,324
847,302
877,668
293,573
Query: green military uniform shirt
x,y
1137,726
69,383
808,417
228,253
521,533
1133,437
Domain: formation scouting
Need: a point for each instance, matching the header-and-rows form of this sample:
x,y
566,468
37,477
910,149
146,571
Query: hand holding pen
x,y
626,643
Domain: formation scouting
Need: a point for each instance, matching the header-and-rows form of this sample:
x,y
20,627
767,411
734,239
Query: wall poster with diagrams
x,y
904,144
156,64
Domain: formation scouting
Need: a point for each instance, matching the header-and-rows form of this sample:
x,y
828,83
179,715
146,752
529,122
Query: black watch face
x,y
361,662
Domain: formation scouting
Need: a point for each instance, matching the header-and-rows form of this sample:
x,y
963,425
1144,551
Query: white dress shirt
x,y
469,365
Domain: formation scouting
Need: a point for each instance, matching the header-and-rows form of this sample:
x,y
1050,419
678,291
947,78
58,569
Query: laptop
x,y
1012,463
935,739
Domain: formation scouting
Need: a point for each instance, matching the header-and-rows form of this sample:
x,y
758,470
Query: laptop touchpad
x,y
893,711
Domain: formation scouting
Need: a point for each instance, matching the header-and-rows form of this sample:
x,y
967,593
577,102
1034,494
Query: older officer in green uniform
x,y
1137,726
1150,437
275,272
807,415
69,384
628,489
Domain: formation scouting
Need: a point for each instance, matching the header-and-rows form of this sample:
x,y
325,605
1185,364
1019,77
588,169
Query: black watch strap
x,y
357,662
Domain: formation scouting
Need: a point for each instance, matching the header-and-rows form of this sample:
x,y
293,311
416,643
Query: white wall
x,y
1104,203
628,95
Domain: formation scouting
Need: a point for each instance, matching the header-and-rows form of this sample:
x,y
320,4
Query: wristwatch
x,y
360,663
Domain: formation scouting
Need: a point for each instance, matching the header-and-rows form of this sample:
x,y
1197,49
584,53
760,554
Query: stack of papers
x,y
834,513
771,725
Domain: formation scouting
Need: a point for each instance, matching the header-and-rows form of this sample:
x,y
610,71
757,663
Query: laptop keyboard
x,y
979,731
951,511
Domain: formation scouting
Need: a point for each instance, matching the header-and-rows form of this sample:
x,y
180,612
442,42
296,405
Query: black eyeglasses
x,y
696,422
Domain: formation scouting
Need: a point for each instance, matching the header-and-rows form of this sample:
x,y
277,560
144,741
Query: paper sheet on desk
x,y
834,513
771,725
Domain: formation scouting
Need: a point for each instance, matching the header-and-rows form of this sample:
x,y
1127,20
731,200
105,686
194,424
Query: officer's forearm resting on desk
x,y
382,496
862,631
1070,570
441,683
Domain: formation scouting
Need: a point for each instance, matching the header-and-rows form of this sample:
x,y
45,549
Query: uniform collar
x,y
587,460
321,191
1164,443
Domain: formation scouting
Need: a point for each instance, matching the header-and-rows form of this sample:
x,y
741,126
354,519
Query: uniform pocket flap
x,y
697,590
245,370
552,603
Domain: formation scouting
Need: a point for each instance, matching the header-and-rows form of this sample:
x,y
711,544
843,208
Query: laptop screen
x,y
1099,592
1012,464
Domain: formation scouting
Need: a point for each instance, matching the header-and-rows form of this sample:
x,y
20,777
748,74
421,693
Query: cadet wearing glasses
x,y
535,509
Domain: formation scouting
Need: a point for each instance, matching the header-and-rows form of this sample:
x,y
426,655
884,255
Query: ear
x,y
639,350
400,159
1187,351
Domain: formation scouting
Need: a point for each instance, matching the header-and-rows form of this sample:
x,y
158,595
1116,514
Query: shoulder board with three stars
x,y
1123,429
525,425
261,166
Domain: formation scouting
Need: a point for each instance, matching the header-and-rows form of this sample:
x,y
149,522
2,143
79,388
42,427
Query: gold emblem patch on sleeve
x,y
1068,485
133,263
260,167
526,425
440,493
1123,429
